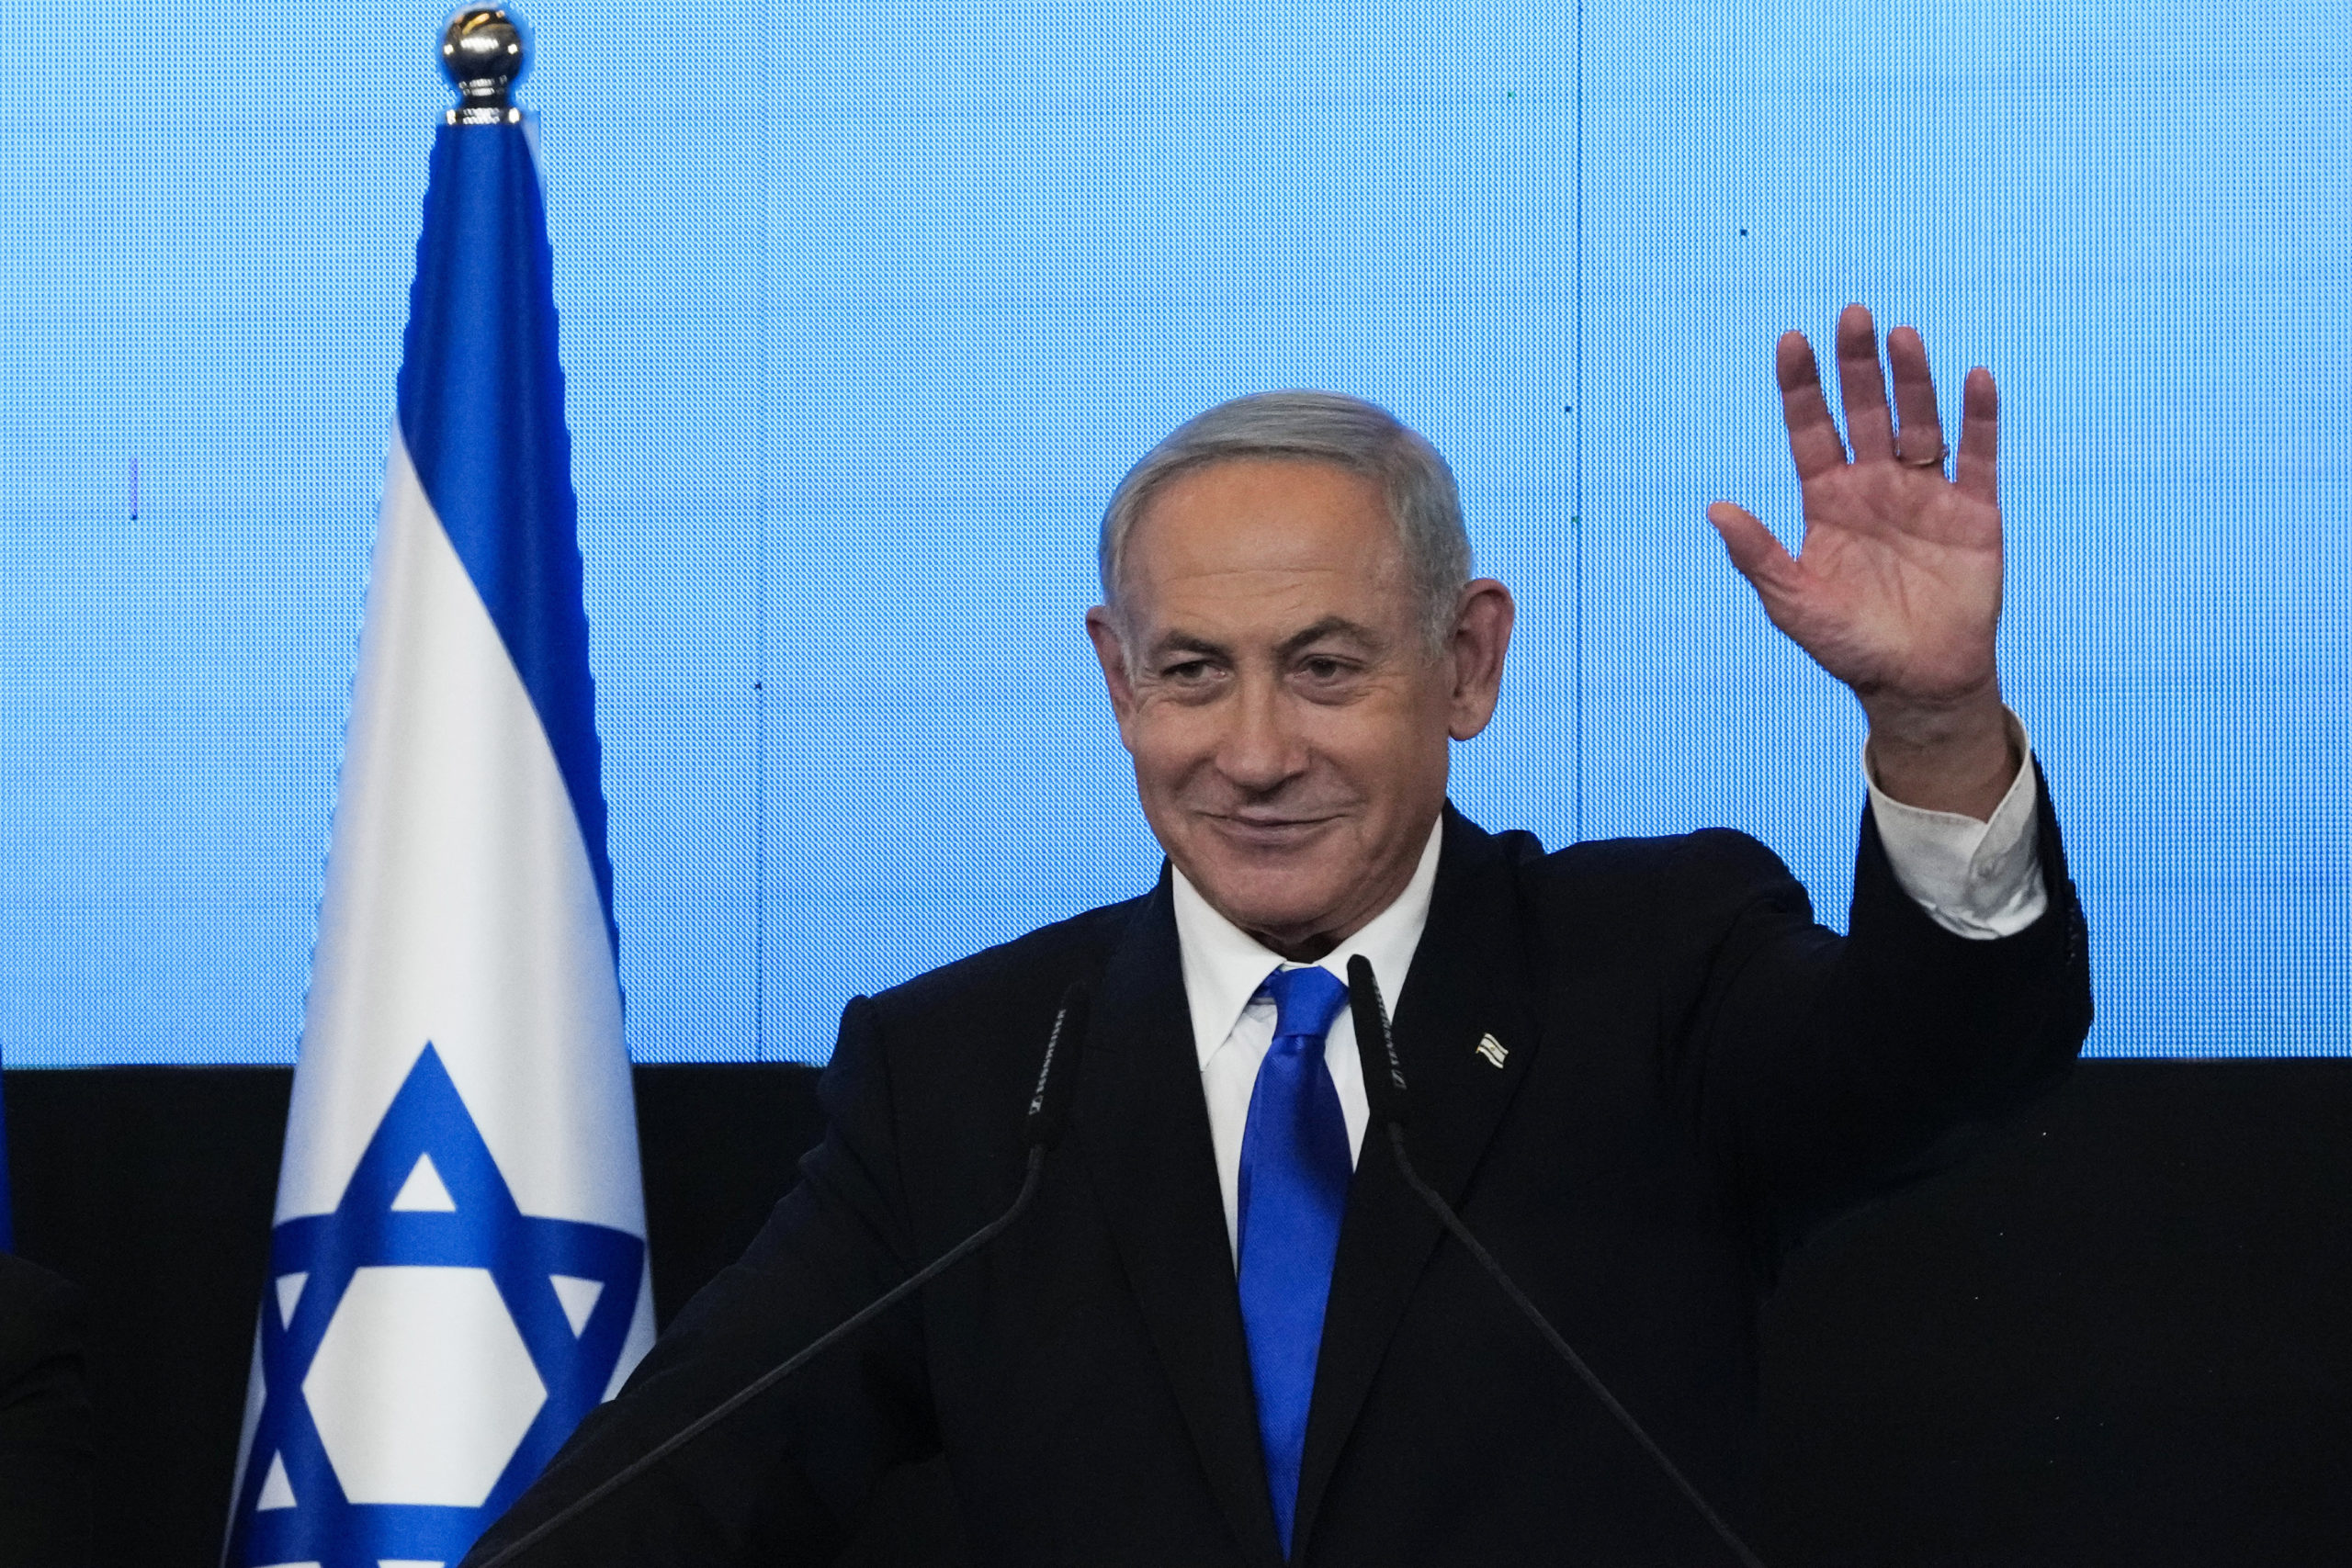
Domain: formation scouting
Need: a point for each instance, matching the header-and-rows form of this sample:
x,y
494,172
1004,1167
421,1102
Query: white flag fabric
x,y
458,1262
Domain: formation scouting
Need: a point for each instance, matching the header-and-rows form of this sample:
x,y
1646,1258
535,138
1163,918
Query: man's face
x,y
1287,719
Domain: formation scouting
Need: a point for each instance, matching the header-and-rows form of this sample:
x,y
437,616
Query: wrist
x,y
1959,756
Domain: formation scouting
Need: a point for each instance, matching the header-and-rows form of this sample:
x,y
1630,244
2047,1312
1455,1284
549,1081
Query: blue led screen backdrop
x,y
865,307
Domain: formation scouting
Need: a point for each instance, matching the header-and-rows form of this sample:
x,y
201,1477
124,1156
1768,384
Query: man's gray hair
x,y
1323,427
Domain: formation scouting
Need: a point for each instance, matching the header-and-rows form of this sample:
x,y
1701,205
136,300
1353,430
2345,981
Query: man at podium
x,y
1226,1332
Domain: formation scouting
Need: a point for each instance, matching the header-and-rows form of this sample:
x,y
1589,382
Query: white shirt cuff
x,y
1979,880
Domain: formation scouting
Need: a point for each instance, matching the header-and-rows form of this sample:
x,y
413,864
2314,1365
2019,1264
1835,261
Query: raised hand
x,y
1896,588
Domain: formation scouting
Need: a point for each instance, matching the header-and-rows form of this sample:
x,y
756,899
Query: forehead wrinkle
x,y
1275,576
1220,587
1214,595
1182,552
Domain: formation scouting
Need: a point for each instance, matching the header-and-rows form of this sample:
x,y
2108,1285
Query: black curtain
x,y
2122,1335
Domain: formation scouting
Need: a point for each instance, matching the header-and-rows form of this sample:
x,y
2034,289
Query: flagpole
x,y
484,52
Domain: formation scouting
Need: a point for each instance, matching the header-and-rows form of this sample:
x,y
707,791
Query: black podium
x,y
2121,1335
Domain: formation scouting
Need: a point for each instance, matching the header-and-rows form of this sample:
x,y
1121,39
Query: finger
x,y
1755,553
1870,424
1980,419
1919,440
1812,434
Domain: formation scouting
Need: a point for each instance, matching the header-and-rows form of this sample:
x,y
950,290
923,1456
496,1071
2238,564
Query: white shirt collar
x,y
1224,965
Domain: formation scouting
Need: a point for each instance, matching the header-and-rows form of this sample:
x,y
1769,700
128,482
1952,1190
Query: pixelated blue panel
x,y
2115,208
866,306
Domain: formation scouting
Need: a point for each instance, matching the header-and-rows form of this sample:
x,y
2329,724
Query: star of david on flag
x,y
427,1238
459,1266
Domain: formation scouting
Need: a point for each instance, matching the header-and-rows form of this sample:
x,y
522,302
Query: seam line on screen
x,y
760,575
1576,455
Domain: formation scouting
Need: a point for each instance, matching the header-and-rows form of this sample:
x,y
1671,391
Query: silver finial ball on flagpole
x,y
484,51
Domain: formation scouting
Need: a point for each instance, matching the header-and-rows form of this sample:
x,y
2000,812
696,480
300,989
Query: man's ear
x,y
1481,637
1102,629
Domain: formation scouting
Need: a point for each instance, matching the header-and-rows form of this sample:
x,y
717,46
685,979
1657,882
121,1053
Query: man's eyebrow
x,y
1330,627
1186,642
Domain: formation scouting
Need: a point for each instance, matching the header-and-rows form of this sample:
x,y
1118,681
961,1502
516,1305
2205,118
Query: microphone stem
x,y
775,1375
1534,1314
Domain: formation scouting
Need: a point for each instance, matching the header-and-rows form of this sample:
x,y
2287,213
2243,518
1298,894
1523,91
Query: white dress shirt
x,y
1979,880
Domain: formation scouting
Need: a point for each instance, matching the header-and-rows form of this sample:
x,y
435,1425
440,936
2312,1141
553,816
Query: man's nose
x,y
1260,749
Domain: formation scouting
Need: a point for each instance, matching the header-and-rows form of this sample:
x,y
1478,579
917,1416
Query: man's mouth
x,y
1266,829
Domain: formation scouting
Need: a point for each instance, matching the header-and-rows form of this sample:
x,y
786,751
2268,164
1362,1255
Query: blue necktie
x,y
1294,1171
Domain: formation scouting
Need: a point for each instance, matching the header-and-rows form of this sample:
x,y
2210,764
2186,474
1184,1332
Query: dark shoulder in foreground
x,y
1675,875
1013,978
1719,852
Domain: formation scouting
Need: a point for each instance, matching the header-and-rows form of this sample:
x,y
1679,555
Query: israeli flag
x,y
459,1268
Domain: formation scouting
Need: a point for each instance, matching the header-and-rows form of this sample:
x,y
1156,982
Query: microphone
x,y
1049,1105
1042,1128
1384,1083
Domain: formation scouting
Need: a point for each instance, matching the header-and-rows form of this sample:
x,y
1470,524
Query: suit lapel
x,y
1468,981
1144,1125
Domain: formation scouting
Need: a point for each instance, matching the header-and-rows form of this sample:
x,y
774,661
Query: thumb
x,y
1755,553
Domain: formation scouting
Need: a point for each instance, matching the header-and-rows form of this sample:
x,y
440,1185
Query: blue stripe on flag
x,y
481,410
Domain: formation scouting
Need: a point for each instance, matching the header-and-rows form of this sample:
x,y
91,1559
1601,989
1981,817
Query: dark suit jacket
x,y
1696,1074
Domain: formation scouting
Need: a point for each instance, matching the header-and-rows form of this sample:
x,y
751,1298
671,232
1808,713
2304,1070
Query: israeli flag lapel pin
x,y
1492,1049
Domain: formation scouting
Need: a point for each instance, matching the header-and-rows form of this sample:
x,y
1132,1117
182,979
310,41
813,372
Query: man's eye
x,y
1323,669
1190,669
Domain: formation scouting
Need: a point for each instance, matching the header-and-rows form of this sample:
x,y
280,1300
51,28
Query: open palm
x,y
1896,588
